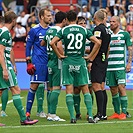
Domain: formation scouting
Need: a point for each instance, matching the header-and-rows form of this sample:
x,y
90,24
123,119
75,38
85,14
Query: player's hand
x,y
15,69
86,57
61,56
128,67
30,68
89,67
5,74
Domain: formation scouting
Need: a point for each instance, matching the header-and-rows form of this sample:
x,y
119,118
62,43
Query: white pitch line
x,y
64,125
10,101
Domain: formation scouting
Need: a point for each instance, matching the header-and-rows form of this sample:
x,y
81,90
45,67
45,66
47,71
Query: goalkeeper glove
x,y
30,67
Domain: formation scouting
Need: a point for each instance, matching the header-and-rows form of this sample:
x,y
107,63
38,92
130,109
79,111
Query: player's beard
x,y
113,28
12,27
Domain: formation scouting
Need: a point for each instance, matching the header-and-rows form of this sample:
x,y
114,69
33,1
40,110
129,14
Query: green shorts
x,y
114,78
11,82
54,76
75,74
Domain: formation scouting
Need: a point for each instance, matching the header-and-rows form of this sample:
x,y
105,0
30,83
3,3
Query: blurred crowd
x,y
28,16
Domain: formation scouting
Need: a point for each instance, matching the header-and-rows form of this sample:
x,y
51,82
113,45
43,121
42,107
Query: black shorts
x,y
98,71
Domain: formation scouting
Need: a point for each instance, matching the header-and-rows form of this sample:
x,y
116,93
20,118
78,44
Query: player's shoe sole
x,y
28,122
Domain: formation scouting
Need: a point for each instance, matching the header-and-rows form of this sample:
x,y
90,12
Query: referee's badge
x,y
97,33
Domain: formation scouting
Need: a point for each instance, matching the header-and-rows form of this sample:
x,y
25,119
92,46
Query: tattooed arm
x,y
130,54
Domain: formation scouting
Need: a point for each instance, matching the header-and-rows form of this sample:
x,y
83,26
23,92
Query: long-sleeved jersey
x,y
39,53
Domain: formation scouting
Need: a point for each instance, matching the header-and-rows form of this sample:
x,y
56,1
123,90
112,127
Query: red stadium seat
x,y
62,8
19,51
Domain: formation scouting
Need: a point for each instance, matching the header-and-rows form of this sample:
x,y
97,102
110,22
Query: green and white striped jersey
x,y
6,40
117,54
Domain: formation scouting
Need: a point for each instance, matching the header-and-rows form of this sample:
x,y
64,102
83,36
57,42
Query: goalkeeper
x,y
38,67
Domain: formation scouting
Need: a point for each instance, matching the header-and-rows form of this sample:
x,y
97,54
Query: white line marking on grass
x,y
10,101
64,125
80,107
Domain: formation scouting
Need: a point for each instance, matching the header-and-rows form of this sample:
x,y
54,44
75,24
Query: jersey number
x,y
49,38
78,43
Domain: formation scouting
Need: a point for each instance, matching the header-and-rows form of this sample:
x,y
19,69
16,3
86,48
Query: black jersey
x,y
103,33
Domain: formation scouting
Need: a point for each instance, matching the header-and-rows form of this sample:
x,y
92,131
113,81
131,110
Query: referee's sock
x,y
105,102
30,100
99,100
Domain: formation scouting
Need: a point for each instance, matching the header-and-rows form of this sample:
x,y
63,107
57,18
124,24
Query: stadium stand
x,y
63,5
19,51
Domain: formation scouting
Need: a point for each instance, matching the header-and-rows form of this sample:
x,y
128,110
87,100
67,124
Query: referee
x,y
98,60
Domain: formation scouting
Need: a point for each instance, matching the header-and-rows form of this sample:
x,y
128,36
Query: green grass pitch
x,y
82,126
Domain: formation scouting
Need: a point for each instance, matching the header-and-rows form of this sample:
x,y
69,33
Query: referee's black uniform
x,y
99,65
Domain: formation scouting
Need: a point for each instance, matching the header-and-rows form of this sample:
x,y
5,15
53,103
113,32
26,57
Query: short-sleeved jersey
x,y
6,40
39,53
74,37
103,33
117,54
52,57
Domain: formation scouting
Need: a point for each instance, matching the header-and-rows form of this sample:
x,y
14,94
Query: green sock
x,y
54,101
116,103
123,100
48,100
40,98
4,99
18,105
88,103
70,105
77,99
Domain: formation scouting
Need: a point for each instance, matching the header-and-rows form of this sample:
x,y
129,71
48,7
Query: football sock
x,y
116,103
123,101
77,99
99,101
54,100
30,99
40,98
48,100
18,105
70,105
4,99
105,102
88,103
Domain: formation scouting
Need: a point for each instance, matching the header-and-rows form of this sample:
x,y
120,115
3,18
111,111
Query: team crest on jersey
x,y
119,38
4,40
97,33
